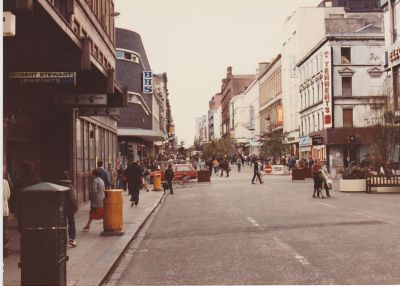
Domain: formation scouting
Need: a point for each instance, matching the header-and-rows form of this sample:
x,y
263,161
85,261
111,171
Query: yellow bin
x,y
113,222
157,182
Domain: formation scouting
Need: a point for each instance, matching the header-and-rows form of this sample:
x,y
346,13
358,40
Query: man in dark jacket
x,y
169,176
134,175
256,172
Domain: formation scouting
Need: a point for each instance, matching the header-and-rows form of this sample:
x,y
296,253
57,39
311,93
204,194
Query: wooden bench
x,y
382,181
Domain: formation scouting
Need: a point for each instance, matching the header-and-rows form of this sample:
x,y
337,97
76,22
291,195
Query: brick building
x,y
232,86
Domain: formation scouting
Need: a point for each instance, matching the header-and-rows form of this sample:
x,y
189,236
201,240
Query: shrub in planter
x,y
354,173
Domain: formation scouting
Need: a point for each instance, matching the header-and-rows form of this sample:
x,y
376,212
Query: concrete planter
x,y
357,185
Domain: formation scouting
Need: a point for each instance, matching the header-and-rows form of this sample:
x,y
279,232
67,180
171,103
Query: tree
x,y
384,137
219,148
273,146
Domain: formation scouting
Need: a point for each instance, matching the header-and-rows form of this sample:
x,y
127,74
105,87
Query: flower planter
x,y
353,185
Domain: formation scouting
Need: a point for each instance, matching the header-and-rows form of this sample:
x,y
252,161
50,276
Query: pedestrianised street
x,y
233,232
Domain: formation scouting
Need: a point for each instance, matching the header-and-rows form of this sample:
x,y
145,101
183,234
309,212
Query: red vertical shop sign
x,y
327,91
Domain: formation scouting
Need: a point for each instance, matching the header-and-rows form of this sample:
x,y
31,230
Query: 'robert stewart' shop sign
x,y
43,77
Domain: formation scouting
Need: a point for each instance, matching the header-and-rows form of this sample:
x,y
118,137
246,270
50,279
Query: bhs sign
x,y
148,82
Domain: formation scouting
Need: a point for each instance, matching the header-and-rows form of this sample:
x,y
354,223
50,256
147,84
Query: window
x,y
346,86
319,123
346,55
348,118
119,54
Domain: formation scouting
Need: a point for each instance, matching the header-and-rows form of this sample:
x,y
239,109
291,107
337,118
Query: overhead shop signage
x,y
305,141
99,111
327,84
317,140
147,82
81,99
43,77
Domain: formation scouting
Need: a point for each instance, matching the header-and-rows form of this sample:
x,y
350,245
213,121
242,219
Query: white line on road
x,y
375,218
327,205
293,252
252,221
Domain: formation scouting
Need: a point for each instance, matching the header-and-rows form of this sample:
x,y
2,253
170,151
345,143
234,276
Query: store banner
x,y
43,77
327,85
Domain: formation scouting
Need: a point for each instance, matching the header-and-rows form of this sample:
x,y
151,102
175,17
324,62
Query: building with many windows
x,y
340,92
232,86
214,117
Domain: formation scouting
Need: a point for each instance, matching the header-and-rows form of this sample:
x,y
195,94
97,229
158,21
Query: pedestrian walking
x,y
256,172
71,207
325,176
104,175
239,163
6,213
96,196
169,176
318,179
121,183
146,178
209,165
134,175
113,175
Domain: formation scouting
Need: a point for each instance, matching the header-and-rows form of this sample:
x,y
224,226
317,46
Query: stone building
x,y
270,100
60,95
245,118
214,117
340,92
232,86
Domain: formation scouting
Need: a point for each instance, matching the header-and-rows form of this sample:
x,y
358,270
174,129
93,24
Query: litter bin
x,y
43,234
113,222
157,181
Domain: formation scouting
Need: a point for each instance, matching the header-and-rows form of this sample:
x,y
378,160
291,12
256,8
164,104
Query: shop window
x,y
348,118
346,55
347,86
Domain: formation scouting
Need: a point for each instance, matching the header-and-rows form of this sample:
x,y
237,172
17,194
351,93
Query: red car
x,y
182,170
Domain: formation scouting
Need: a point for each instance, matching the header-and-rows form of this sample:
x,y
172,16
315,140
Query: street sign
x,y
99,111
81,99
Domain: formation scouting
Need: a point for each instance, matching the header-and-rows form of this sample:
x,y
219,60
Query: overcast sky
x,y
194,41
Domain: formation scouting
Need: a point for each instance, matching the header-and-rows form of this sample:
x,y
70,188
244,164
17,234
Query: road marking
x,y
375,218
293,252
327,205
252,221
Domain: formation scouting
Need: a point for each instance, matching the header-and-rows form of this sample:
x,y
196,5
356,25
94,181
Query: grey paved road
x,y
232,232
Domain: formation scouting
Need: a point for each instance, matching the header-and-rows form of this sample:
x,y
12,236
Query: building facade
x,y
270,100
340,90
140,124
245,117
214,117
61,105
201,130
232,86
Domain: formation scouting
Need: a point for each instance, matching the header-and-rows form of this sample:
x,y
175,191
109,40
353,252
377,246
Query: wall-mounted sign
x,y
99,111
43,77
81,99
147,82
327,84
305,141
8,24
317,140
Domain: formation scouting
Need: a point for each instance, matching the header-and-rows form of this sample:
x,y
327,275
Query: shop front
x,y
49,80
305,148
